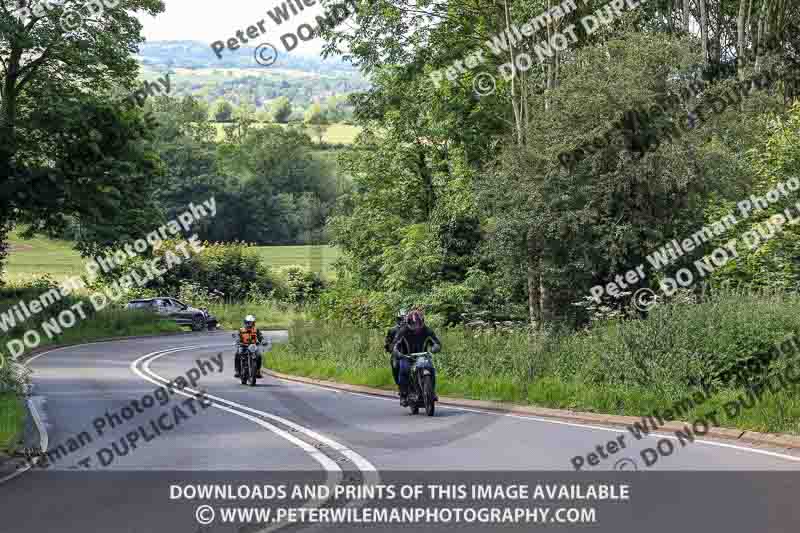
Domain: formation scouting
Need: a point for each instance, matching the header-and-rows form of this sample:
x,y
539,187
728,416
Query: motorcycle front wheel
x,y
244,370
427,394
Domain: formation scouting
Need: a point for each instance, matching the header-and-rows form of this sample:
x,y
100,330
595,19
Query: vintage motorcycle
x,y
248,360
422,389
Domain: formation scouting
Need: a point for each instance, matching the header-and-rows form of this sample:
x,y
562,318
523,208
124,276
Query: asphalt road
x,y
284,430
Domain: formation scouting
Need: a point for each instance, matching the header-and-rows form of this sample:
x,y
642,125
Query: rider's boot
x,y
404,396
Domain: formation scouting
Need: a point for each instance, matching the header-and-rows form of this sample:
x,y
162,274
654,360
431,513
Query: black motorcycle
x,y
248,361
422,390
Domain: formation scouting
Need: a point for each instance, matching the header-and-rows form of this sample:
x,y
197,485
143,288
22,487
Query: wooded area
x,y
460,200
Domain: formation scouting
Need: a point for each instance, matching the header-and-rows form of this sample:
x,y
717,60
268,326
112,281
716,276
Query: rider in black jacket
x,y
412,338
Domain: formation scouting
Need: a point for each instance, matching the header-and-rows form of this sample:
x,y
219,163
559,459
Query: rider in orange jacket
x,y
248,335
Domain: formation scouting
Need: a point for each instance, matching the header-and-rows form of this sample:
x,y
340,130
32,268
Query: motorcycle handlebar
x,y
413,355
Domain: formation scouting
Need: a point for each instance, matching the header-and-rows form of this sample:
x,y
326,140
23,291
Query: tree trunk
x,y
427,180
704,29
686,12
545,296
8,114
534,309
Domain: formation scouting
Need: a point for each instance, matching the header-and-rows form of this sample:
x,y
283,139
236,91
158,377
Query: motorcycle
x,y
248,361
422,390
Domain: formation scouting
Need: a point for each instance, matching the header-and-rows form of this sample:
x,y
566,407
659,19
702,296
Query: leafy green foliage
x,y
281,108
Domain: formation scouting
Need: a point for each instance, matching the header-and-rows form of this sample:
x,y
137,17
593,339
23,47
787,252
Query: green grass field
x,y
316,258
33,258
29,259
335,134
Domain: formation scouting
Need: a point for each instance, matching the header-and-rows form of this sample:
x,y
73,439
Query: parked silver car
x,y
184,315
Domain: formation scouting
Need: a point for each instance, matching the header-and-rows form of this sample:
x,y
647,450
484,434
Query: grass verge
x,y
632,368
12,418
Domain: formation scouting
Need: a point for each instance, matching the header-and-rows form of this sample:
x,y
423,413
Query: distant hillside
x,y
196,54
195,70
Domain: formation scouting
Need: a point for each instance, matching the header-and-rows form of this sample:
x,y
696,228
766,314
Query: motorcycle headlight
x,y
252,348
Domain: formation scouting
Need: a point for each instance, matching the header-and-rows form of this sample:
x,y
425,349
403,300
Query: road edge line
x,y
779,440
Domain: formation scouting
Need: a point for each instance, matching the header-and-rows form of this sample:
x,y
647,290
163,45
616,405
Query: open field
x,y
335,134
29,259
317,258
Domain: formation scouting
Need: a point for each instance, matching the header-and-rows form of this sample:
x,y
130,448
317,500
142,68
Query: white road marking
x,y
369,471
560,422
148,375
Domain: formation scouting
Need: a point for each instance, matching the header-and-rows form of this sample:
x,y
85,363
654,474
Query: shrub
x,y
230,271
299,284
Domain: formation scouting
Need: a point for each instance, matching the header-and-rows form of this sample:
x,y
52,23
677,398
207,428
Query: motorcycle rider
x,y
389,343
412,338
248,335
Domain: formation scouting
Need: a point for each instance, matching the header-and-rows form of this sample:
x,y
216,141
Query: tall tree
x,y
70,145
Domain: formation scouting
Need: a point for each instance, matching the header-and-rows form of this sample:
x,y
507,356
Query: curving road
x,y
323,436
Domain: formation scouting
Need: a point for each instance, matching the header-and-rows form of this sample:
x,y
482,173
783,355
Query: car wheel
x,y
198,323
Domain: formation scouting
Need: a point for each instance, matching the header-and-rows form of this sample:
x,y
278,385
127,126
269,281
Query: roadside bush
x,y
681,344
446,304
234,269
233,272
298,285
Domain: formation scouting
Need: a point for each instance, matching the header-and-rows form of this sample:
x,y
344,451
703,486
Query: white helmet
x,y
249,321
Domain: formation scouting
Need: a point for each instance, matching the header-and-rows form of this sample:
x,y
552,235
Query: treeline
x,y
78,158
462,204
270,182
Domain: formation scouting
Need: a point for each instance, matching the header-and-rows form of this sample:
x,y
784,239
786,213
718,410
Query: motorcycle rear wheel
x,y
427,394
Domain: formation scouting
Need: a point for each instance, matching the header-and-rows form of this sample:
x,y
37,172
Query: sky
x,y
213,20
